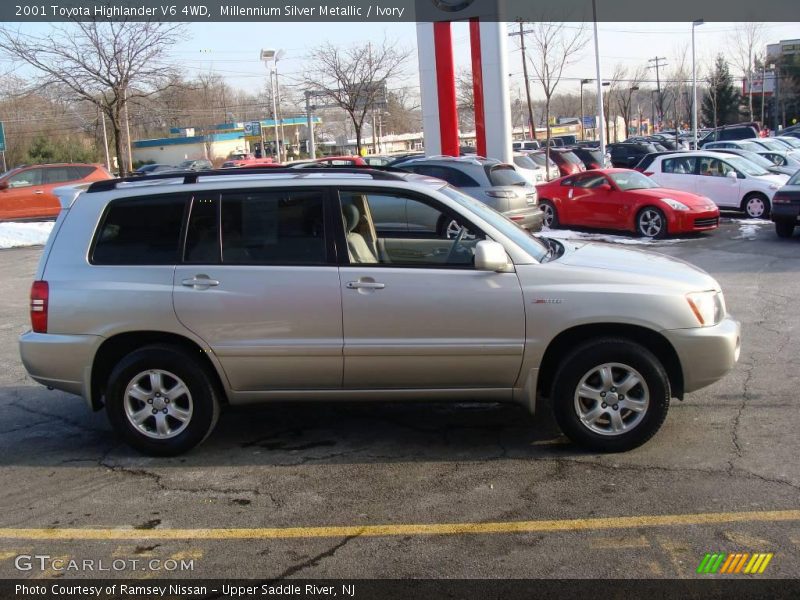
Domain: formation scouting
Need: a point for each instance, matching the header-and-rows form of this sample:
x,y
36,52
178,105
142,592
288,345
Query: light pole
x,y
633,88
599,82
271,56
695,24
583,82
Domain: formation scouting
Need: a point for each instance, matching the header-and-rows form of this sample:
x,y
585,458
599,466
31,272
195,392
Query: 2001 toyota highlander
x,y
164,298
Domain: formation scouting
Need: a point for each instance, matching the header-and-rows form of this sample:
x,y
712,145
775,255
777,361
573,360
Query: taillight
x,y
781,198
40,293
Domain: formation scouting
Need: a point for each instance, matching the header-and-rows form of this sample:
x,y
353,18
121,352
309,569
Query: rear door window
x,y
57,174
680,165
273,228
140,231
452,176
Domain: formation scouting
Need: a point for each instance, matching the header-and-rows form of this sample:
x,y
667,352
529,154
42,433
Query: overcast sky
x,y
231,49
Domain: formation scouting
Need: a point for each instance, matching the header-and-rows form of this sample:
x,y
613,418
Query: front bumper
x,y
695,220
59,361
530,218
706,354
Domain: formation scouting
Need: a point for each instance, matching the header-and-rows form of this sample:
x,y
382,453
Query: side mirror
x,y
604,187
3,185
490,256
731,175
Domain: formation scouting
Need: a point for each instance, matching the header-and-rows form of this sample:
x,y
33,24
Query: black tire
x,y
784,229
656,213
591,355
176,364
747,206
546,205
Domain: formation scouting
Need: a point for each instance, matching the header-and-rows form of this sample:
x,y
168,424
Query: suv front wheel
x,y
161,400
610,395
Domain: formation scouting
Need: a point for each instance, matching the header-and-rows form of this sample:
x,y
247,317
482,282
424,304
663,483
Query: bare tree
x,y
355,78
554,46
105,63
627,92
745,43
612,90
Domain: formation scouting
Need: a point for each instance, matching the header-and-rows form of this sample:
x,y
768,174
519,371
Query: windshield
x,y
538,158
794,180
186,163
745,166
762,162
511,230
632,180
791,141
571,157
772,145
523,162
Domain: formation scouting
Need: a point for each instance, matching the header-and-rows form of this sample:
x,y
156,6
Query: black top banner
x,y
385,11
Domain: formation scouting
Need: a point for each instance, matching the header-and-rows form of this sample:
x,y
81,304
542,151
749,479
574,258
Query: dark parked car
x,y
627,155
151,169
740,131
590,157
786,207
200,164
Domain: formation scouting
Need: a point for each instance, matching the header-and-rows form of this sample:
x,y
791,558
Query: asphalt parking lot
x,y
425,490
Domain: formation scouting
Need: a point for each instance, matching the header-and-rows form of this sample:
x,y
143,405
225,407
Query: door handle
x,y
365,285
200,282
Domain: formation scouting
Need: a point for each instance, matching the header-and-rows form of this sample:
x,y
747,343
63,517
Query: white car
x,y
532,172
730,181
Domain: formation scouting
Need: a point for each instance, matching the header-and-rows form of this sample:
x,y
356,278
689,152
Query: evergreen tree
x,y
721,104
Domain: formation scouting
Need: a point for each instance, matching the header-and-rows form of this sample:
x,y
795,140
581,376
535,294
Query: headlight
x,y
708,307
674,204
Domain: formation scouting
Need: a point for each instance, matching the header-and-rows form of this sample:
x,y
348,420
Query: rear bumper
x,y
530,218
785,212
706,354
63,362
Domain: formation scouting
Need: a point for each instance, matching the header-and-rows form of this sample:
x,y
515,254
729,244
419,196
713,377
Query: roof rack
x,y
378,173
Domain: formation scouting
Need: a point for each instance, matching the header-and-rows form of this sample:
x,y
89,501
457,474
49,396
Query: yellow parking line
x,y
625,522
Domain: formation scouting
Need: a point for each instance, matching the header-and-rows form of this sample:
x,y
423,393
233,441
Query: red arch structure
x,y
488,46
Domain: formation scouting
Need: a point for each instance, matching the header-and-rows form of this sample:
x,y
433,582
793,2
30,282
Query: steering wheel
x,y
451,255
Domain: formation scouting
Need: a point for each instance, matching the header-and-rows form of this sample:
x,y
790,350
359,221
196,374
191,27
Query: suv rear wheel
x,y
756,206
161,400
610,395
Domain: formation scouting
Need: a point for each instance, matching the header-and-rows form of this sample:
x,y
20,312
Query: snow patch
x,y
17,235
569,234
748,228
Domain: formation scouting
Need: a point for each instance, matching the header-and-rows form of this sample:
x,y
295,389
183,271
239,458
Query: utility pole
x,y
312,148
531,124
658,63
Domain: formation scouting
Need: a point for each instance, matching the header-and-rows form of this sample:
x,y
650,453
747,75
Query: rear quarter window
x,y
505,175
140,231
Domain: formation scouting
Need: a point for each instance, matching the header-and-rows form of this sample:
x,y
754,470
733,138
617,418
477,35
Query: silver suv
x,y
162,299
496,184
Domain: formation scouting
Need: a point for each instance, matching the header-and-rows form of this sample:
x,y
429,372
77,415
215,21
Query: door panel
x,y
713,182
271,312
419,316
429,328
271,327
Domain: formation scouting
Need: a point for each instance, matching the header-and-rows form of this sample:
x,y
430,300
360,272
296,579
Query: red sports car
x,y
624,199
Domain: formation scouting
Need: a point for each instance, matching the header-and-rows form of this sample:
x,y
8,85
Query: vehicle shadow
x,y
46,428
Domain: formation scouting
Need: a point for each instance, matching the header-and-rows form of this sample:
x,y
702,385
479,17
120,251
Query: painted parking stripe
x,y
625,522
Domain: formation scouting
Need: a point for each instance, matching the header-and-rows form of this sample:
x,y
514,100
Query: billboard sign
x,y
252,129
